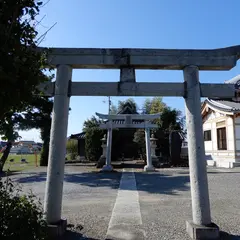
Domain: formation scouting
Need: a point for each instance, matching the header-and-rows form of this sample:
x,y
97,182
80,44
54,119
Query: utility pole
x,y
109,104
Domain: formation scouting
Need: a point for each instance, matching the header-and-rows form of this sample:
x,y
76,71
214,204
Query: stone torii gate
x,y
128,122
127,60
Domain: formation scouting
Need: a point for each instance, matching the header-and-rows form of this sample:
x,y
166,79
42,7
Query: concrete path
x,y
126,220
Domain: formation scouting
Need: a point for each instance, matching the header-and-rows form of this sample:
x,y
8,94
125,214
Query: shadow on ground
x,y
34,177
72,235
227,236
9,173
148,182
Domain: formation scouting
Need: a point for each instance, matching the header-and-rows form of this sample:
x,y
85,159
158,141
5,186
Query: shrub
x,y
72,148
93,143
44,155
21,216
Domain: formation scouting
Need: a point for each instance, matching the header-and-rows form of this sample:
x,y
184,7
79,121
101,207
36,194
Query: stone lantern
x,y
104,145
102,159
153,142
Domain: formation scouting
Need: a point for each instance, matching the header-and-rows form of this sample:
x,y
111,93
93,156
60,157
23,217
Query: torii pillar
x,y
57,150
201,226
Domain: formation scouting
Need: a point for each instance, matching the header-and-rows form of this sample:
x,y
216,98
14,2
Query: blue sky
x,y
137,24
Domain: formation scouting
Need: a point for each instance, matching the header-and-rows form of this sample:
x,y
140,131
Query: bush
x,y
21,216
72,148
93,143
44,155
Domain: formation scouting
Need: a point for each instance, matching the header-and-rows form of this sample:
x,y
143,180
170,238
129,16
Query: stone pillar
x,y
149,167
108,167
58,138
201,226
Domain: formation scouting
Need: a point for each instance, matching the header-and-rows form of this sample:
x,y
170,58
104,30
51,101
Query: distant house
x,y
25,147
221,126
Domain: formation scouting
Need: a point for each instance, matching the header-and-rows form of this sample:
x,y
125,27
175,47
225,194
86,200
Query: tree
x,y
93,137
38,115
21,66
130,102
93,143
21,215
154,105
113,109
8,130
21,70
91,123
170,119
72,148
139,138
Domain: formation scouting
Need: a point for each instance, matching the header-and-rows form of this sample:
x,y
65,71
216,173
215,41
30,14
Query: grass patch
x,y
17,165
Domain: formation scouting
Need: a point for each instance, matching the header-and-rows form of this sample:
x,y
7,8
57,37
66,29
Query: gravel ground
x,y
164,199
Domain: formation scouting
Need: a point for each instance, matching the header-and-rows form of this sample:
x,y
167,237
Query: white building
x,y
25,147
221,126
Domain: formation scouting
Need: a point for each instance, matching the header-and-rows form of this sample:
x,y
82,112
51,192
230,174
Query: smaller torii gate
x,y
128,121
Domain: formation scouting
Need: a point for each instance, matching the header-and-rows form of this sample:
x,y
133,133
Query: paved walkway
x,y
131,204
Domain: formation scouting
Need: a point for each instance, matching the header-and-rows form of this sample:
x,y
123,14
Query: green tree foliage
x,y
21,216
21,68
113,109
21,65
93,143
154,105
72,148
91,123
8,131
130,102
139,139
93,137
38,115
169,120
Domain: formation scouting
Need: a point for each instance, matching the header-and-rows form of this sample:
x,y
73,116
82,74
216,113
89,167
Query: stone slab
x,y
171,59
202,232
57,230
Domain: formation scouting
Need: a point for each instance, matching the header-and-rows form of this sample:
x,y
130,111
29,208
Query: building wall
x,y
237,137
213,121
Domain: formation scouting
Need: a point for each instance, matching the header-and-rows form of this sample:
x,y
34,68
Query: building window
x,y
207,135
222,138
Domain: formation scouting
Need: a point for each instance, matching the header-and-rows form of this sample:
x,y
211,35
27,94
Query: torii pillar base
x,y
58,229
107,168
149,168
202,232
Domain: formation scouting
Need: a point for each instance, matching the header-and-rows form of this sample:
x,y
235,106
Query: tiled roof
x,y
224,105
233,80
78,136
